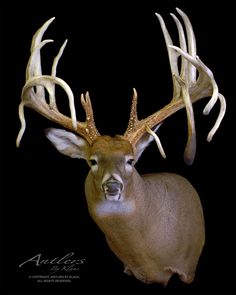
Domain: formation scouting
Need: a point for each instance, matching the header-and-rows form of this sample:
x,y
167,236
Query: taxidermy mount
x,y
153,223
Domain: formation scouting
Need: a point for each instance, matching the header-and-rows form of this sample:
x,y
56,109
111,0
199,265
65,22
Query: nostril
x,y
112,187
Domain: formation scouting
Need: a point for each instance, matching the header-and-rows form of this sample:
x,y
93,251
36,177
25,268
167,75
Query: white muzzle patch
x,y
112,189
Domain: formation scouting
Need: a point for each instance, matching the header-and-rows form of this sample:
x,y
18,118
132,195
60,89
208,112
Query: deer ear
x,y
68,143
144,142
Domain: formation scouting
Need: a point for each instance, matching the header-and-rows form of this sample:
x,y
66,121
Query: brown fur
x,y
162,234
156,227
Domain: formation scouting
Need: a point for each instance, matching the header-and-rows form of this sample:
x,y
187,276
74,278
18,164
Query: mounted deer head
x,y
148,220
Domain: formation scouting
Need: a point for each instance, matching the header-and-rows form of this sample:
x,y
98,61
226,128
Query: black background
x,y
113,46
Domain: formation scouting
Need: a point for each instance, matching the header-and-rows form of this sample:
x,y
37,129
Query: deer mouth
x,y
112,190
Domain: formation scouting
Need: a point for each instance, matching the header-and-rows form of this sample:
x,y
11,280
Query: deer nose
x,y
112,187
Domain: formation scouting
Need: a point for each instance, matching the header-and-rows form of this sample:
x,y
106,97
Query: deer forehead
x,y
111,147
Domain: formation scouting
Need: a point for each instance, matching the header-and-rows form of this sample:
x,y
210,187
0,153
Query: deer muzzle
x,y
112,189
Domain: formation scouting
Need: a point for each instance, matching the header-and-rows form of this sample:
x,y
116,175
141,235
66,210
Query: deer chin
x,y
113,197
110,197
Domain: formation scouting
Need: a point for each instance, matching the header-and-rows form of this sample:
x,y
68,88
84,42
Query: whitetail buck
x,y
154,223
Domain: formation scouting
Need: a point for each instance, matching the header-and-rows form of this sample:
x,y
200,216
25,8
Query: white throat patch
x,y
108,207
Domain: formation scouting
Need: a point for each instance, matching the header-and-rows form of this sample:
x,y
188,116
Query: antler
x,y
187,89
33,93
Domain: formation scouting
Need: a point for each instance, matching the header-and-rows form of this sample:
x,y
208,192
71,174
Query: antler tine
x,y
172,58
187,89
33,93
192,48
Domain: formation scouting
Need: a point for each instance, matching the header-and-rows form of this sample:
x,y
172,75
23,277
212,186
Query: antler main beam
x,y
187,89
33,93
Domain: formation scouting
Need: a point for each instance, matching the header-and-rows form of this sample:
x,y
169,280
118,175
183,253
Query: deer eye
x,y
130,162
93,162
